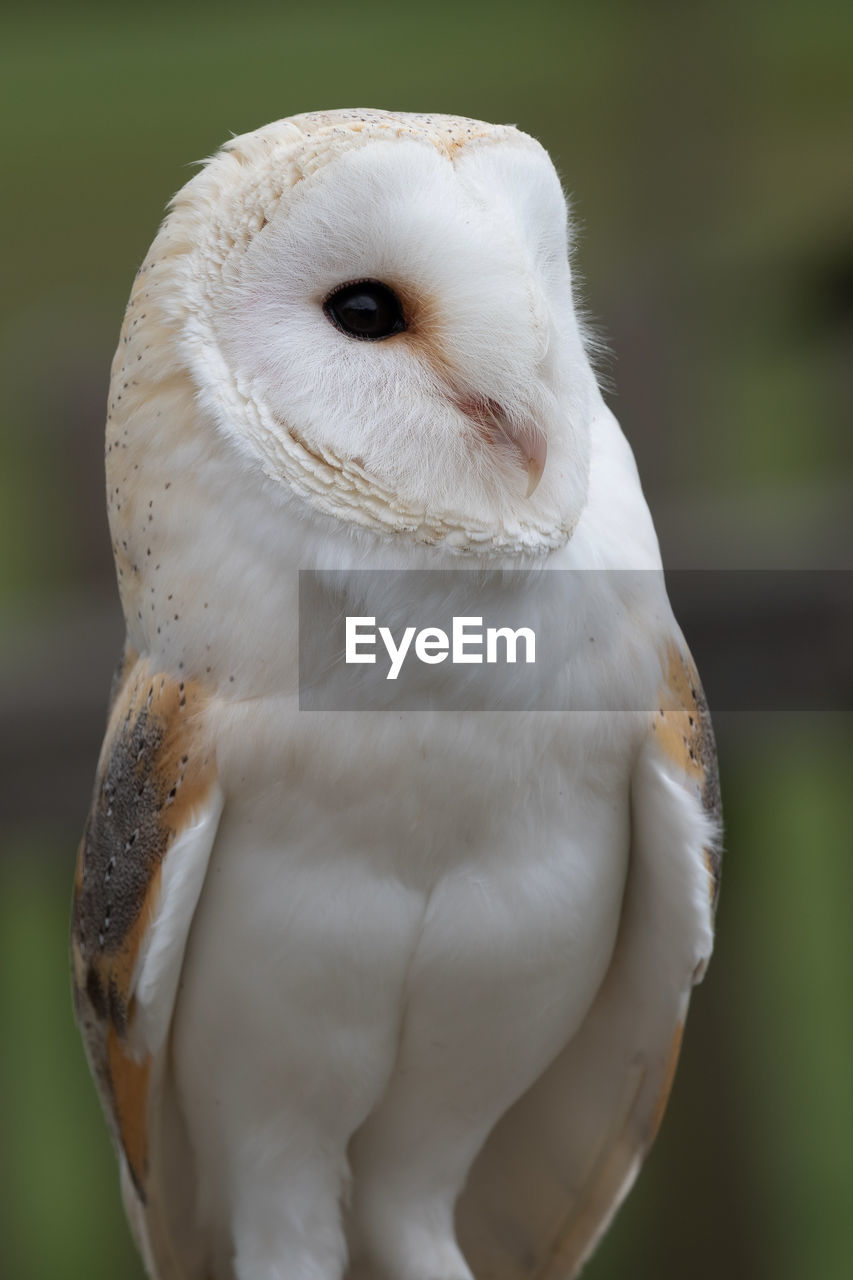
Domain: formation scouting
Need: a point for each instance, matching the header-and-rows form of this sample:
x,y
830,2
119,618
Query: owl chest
x,y
381,905
471,846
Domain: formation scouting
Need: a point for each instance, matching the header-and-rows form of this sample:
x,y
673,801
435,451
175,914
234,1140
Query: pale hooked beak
x,y
533,446
526,440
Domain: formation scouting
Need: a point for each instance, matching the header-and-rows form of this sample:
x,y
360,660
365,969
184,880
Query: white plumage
x,y
398,993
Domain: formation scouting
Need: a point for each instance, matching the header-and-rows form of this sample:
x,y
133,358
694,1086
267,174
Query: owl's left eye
x,y
368,309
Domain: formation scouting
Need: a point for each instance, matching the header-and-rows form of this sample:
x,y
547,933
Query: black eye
x,y
367,310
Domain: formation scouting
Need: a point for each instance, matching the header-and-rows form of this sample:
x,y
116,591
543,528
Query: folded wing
x,y
140,869
556,1168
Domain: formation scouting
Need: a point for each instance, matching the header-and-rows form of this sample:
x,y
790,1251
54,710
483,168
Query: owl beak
x,y
534,449
526,441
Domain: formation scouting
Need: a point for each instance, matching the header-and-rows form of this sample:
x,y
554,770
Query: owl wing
x,y
140,868
557,1166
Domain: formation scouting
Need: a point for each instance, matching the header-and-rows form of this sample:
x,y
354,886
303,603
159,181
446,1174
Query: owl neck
x,y
208,549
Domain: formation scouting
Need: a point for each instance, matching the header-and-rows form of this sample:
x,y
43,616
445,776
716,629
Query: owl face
x,y
379,309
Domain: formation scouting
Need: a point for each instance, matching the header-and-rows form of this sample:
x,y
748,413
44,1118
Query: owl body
x,y
415,981
389,992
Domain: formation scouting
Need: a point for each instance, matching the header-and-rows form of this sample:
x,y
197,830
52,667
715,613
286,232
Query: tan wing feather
x,y
154,776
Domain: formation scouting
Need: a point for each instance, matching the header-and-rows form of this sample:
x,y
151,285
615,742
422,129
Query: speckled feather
x,y
154,775
685,734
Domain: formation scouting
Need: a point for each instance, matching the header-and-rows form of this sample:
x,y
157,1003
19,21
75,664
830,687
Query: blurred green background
x,y
707,149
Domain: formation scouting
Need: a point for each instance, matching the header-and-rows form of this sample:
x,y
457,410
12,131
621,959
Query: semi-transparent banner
x,y
560,640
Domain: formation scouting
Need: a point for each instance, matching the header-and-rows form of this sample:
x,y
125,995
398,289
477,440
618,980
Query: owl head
x,y
376,311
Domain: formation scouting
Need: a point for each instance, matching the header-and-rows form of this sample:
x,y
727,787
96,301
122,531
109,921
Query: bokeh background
x,y
707,149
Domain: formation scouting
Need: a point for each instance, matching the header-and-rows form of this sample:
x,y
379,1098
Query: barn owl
x,y
387,994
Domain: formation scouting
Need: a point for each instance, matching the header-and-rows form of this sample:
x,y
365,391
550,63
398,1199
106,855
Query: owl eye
x,y
368,310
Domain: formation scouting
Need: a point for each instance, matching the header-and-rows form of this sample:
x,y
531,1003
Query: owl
x,y
387,993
